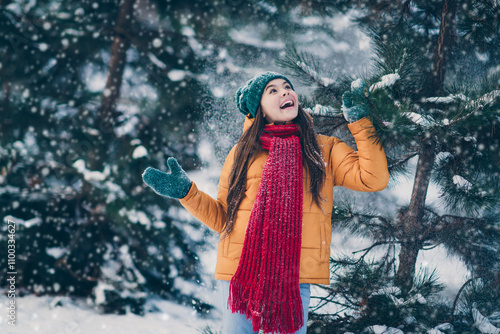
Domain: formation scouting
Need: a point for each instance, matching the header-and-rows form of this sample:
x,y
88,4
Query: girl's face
x,y
279,102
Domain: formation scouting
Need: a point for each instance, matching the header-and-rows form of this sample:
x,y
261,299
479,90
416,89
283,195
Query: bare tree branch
x,y
403,160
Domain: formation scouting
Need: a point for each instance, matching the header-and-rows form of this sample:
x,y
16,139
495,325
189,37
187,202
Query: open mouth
x,y
287,104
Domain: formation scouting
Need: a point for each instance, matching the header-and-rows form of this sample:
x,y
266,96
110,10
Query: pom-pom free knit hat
x,y
248,96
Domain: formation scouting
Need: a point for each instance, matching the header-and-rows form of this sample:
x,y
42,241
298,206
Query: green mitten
x,y
355,102
175,184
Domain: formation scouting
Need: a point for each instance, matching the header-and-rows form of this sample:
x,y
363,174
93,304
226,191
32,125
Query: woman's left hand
x,y
355,102
175,184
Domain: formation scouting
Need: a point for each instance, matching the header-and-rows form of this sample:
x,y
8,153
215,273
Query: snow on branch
x,y
386,81
320,110
486,99
447,99
483,100
36,221
156,61
250,37
462,183
382,329
419,119
90,175
482,323
309,70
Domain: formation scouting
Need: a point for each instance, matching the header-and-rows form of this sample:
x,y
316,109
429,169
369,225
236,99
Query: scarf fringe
x,y
272,316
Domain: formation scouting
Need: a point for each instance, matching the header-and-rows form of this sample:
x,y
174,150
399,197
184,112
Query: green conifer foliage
x,y
435,99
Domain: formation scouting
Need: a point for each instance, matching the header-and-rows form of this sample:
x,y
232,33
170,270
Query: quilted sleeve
x,y
209,211
362,170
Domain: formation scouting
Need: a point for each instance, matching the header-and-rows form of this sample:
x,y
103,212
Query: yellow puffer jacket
x,y
362,170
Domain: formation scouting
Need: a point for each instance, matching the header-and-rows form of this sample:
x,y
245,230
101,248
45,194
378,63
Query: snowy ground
x,y
42,315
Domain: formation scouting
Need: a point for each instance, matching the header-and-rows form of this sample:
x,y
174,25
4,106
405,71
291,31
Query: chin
x,y
293,115
289,118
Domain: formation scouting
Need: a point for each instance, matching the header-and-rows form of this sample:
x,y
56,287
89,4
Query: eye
x,y
272,90
288,87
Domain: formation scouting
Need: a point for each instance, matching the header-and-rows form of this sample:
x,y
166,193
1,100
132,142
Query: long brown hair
x,y
249,145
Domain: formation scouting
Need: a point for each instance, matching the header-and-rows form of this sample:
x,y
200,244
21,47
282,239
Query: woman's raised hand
x,y
355,102
175,184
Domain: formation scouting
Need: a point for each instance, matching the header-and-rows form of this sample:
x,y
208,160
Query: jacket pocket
x,y
234,250
224,246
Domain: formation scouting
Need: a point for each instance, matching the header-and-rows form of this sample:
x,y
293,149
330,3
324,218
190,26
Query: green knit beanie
x,y
248,96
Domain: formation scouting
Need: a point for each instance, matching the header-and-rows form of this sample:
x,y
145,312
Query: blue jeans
x,y
236,323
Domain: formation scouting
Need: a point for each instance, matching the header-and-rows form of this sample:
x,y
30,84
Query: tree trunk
x,y
412,243
111,93
445,41
406,270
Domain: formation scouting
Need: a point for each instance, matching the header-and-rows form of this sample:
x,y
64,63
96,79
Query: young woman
x,y
274,205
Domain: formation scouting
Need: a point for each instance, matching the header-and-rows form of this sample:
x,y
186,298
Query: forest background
x,y
93,92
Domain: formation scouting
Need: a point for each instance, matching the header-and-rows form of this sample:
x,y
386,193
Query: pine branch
x,y
62,261
430,247
332,292
468,176
455,301
480,104
368,249
442,223
303,66
329,299
385,223
474,239
347,297
344,262
426,282
363,228
403,160
457,222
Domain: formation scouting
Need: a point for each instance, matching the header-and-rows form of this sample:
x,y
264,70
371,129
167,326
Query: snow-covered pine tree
x,y
435,97
86,226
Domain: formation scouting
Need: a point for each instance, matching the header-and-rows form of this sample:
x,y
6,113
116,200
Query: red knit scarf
x,y
265,287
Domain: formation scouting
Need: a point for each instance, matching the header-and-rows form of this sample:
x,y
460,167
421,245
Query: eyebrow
x,y
284,83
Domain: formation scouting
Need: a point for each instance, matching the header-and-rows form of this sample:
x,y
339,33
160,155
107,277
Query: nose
x,y
285,93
